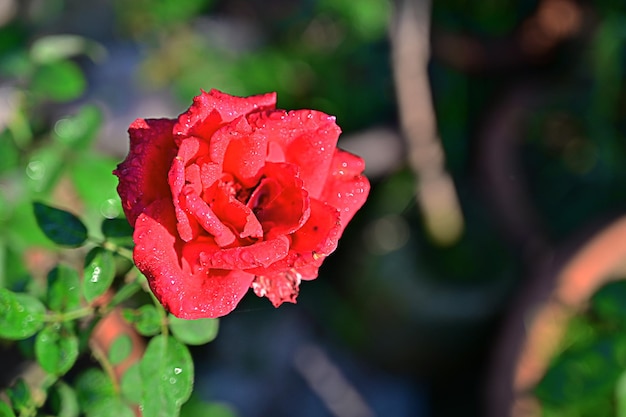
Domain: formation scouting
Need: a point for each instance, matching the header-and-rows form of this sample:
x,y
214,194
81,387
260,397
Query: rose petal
x,y
278,288
187,227
206,218
245,155
142,175
320,234
307,138
310,245
280,202
211,110
346,189
233,213
260,254
183,292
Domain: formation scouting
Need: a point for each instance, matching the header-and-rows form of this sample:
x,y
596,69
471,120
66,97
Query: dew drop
x,y
110,208
96,274
36,170
177,371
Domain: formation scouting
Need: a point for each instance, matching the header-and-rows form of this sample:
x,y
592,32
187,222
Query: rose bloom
x,y
236,194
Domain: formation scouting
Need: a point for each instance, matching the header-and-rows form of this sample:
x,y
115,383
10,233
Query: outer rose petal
x,y
143,174
307,139
310,245
185,292
204,254
210,110
346,189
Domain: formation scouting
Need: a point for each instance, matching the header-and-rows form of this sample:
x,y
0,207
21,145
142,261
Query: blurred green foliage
x,y
586,377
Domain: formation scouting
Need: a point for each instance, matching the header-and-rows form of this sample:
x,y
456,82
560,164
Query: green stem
x,y
120,250
106,365
124,293
69,315
162,314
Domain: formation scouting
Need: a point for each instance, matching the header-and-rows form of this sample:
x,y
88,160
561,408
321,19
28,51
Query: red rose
x,y
235,194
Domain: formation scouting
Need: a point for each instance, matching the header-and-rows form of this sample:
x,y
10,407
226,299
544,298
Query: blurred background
x,y
482,277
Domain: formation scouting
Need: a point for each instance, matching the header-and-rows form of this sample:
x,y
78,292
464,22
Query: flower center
x,y
235,189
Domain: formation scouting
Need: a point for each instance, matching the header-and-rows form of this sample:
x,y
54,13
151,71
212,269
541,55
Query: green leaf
x,y
125,292
80,130
609,302
60,81
146,319
120,349
56,348
167,374
620,396
56,47
5,410
91,175
110,407
63,289
63,401
99,273
21,315
194,407
44,168
118,231
92,387
131,384
194,332
60,226
20,396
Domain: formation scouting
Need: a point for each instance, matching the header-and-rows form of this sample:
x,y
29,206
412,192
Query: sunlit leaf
x,y
167,374
21,315
5,410
60,81
60,226
56,47
44,169
56,348
80,130
99,273
194,332
91,175
63,288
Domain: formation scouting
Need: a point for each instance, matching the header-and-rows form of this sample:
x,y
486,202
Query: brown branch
x,y
435,191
